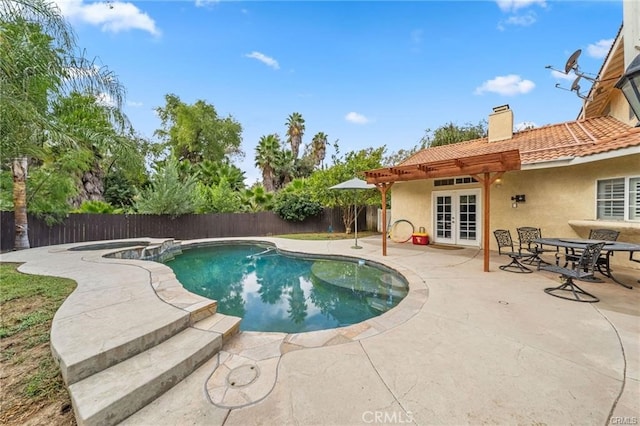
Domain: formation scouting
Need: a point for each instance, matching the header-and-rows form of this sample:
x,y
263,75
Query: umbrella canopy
x,y
354,183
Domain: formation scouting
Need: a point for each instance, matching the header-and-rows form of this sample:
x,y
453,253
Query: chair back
x,y
526,235
586,264
604,234
503,237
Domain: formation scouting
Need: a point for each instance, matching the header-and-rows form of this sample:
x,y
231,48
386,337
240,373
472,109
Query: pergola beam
x,y
479,166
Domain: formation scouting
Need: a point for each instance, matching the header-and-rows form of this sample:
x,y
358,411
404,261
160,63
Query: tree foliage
x,y
295,202
219,198
295,131
39,62
168,193
343,169
196,132
452,133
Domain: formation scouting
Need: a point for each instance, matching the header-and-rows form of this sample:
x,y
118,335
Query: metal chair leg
x,y
515,266
579,295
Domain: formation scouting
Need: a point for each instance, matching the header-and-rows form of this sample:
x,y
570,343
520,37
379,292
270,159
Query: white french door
x,y
457,217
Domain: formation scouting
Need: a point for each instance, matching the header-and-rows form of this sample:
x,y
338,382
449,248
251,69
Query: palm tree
x,y
319,148
284,169
257,199
211,173
38,64
267,153
295,130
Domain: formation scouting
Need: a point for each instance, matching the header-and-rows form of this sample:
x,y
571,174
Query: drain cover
x,y
242,376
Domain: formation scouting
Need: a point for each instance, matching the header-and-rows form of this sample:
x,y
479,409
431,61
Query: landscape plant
x,y
39,63
168,193
295,202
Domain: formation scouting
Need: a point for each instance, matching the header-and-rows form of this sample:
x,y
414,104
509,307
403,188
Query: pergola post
x,y
383,187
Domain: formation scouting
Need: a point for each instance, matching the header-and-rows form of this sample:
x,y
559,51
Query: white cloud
x,y
525,125
134,104
111,17
514,5
507,85
522,20
600,49
264,59
105,99
354,117
203,3
562,76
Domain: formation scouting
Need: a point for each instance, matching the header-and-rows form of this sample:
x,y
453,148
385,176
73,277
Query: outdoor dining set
x,y
579,260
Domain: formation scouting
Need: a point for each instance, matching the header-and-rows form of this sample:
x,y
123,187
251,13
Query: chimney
x,y
501,124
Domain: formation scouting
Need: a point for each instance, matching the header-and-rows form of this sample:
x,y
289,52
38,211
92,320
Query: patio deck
x,y
466,347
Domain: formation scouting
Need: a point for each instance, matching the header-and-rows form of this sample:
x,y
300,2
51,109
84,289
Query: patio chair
x,y
526,237
584,267
601,235
503,237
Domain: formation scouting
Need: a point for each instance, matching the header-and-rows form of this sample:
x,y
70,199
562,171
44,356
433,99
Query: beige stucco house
x,y
574,176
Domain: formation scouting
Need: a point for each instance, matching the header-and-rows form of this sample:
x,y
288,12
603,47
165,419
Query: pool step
x,y
114,394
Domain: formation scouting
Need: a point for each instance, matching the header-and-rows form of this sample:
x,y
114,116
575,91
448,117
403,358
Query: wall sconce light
x,y
498,182
517,199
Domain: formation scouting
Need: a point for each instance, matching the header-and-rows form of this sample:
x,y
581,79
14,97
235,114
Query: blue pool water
x,y
274,291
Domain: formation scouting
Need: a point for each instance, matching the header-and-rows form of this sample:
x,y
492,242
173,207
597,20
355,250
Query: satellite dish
x,y
572,62
575,86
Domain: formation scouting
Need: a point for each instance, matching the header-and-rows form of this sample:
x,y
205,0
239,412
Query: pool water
x,y
277,292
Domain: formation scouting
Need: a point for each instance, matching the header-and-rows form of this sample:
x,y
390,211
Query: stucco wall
x,y
554,198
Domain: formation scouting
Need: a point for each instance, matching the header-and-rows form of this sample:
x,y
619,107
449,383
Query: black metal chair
x,y
583,267
503,237
526,237
603,261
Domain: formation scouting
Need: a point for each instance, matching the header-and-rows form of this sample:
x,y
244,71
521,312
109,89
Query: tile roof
x,y
551,142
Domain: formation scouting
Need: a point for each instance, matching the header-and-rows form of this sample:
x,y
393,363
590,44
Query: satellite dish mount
x,y
572,65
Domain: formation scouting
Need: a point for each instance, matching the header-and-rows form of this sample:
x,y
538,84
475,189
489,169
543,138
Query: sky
x,y
366,73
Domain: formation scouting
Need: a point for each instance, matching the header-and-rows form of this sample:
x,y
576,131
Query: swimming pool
x,y
283,292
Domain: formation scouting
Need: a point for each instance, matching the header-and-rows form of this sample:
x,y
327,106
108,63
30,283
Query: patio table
x,y
572,244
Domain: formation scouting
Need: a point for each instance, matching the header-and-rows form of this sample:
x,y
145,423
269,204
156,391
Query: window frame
x,y
627,207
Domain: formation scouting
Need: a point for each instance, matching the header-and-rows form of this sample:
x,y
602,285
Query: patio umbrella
x,y
354,184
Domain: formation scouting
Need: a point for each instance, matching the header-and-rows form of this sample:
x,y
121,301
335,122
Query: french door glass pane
x,y
467,217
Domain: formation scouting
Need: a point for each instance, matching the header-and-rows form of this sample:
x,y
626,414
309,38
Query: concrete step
x,y
81,355
226,325
112,395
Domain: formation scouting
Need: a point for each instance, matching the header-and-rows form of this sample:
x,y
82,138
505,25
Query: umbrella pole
x,y
355,208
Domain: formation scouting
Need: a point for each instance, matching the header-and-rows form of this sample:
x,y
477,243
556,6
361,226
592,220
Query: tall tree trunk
x,y
19,170
90,186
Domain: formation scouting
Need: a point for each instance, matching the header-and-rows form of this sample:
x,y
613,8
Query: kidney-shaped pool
x,y
285,292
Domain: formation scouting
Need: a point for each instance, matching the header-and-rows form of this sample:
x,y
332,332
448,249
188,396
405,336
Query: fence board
x,y
81,227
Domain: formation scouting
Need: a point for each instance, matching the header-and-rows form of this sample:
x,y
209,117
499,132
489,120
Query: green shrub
x,y
96,207
295,206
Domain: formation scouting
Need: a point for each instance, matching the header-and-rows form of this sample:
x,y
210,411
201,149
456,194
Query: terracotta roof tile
x,y
552,142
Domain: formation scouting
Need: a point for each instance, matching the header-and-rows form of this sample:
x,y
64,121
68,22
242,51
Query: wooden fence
x,y
94,227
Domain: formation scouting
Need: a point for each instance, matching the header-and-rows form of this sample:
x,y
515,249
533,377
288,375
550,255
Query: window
x,y
618,199
456,181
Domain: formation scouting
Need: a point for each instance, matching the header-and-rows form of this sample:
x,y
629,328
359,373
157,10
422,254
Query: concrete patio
x,y
465,347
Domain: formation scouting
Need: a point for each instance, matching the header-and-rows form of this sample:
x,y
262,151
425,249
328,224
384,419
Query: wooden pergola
x,y
485,168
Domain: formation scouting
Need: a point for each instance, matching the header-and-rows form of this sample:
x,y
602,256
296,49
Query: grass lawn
x,y
31,388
